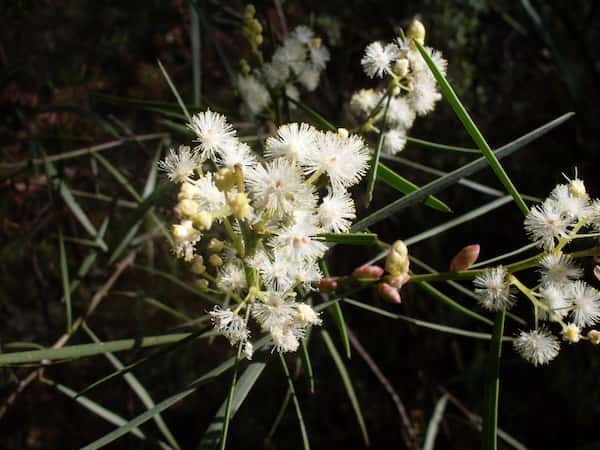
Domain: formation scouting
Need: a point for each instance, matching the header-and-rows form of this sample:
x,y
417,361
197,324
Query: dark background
x,y
68,72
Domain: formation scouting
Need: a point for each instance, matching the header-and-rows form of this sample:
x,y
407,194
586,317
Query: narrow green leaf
x,y
227,413
305,442
350,238
374,163
64,275
196,55
436,146
279,416
454,176
78,212
213,433
175,280
118,176
492,385
434,423
340,323
139,390
83,350
314,116
398,182
452,303
422,323
175,91
347,384
472,129
308,366
96,408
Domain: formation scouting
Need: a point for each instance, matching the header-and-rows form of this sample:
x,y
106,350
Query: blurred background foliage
x,y
75,74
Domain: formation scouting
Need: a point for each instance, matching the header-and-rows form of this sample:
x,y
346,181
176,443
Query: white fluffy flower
x,y
303,34
255,95
305,315
275,73
400,113
237,155
559,268
180,164
539,346
278,186
377,60
363,101
230,325
287,338
545,223
423,94
586,304
343,158
291,54
299,241
394,141
293,141
207,195
572,206
336,212
276,272
213,133
232,277
556,299
186,237
493,290
277,310
319,56
309,78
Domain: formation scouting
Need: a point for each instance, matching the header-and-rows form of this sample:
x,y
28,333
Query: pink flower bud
x,y
399,280
465,258
594,337
368,273
327,285
389,293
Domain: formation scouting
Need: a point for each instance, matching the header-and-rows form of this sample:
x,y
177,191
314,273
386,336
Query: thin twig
x,y
408,432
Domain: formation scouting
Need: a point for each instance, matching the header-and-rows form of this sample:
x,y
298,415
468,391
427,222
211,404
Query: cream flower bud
x,y
306,315
183,231
416,31
203,220
597,272
389,293
240,206
225,179
327,285
202,284
577,188
398,281
215,260
215,245
343,133
400,67
594,336
367,273
188,190
198,266
571,333
189,208
397,262
465,258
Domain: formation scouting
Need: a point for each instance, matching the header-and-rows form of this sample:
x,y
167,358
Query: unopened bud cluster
x,y
249,226
411,85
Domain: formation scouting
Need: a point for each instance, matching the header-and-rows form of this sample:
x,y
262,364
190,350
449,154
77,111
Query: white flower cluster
x,y
412,87
560,295
299,60
257,222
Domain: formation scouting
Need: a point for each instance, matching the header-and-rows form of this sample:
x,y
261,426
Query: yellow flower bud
x,y
577,188
397,262
316,42
401,67
343,133
203,220
198,266
189,208
594,336
240,206
571,333
225,179
188,190
216,245
215,260
202,284
416,31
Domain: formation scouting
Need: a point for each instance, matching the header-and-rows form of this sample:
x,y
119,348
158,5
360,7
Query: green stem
x,y
492,388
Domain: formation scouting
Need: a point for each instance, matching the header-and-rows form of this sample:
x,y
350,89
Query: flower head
x,y
586,304
213,133
539,346
336,212
179,165
558,268
493,289
377,60
230,325
545,224
293,141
